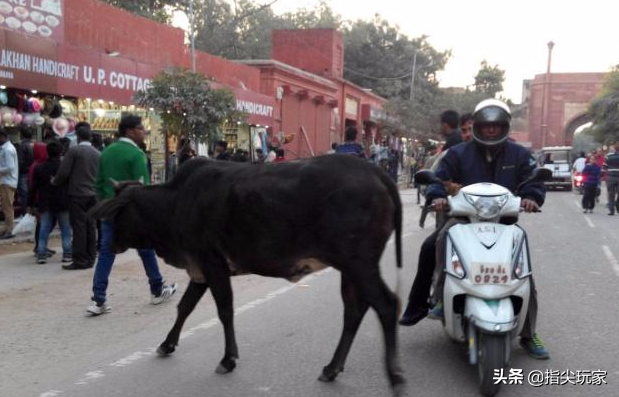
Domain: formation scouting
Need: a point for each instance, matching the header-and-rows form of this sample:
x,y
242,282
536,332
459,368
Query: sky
x,y
512,34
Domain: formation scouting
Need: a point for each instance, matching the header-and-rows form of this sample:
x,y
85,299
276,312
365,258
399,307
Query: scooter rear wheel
x,y
491,352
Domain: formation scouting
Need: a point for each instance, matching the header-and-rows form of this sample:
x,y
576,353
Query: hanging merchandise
x,y
17,118
4,98
61,126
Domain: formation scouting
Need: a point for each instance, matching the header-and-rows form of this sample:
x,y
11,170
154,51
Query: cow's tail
x,y
397,222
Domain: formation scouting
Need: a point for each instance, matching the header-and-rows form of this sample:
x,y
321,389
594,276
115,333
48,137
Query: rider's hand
x,y
440,204
529,205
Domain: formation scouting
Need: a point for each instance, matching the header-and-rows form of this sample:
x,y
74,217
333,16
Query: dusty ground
x,y
13,248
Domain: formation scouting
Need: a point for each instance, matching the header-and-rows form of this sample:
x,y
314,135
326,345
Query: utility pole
x,y
545,95
411,94
191,37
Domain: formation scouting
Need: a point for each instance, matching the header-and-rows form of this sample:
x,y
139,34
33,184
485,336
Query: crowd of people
x,y
59,180
593,169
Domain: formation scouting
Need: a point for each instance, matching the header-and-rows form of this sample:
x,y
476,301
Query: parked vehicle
x,y
558,159
487,274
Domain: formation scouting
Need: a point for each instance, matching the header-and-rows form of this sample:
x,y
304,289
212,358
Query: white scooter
x,y
487,268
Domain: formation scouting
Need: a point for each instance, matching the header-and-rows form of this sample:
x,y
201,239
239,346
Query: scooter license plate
x,y
490,273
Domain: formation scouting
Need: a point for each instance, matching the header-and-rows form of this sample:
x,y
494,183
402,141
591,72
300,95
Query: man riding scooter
x,y
489,157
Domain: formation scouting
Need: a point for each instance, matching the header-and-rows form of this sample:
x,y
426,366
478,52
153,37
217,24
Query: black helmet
x,y
491,111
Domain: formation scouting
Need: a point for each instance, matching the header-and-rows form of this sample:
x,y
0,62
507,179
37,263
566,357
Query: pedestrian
x,y
97,141
592,174
579,163
184,151
350,145
260,157
449,129
9,176
221,151
280,155
466,127
52,203
123,161
25,157
40,156
77,173
611,167
333,148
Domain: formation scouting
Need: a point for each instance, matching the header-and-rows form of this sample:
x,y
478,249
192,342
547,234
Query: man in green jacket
x,y
123,161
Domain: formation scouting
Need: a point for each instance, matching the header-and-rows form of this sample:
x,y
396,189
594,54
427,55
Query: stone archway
x,y
575,123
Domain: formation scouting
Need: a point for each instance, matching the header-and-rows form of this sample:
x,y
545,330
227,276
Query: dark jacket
x,y
78,170
351,148
592,173
43,195
25,155
467,163
452,139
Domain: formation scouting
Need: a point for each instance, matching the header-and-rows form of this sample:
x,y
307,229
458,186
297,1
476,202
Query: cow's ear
x,y
107,209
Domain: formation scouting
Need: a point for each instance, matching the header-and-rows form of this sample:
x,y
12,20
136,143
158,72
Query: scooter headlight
x,y
457,269
487,207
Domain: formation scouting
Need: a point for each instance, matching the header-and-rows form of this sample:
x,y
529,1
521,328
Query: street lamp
x,y
191,37
544,118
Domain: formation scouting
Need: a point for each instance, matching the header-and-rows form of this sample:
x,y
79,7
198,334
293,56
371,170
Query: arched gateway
x,y
567,98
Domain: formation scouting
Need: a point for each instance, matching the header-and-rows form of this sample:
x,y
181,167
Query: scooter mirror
x,y
425,177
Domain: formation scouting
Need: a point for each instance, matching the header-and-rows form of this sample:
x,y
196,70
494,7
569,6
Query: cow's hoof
x,y
165,349
329,374
226,366
398,384
399,390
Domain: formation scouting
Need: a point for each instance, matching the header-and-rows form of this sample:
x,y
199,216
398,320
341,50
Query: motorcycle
x,y
487,273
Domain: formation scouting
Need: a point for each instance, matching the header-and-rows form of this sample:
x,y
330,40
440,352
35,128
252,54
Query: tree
x,y
489,80
157,10
604,109
188,105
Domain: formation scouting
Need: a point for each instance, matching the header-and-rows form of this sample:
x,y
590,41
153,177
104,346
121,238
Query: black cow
x,y
217,219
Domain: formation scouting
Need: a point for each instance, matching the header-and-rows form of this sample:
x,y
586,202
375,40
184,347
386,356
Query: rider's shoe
x,y
436,313
535,347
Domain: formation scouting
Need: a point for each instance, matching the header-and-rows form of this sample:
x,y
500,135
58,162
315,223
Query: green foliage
x,y
489,80
188,105
604,109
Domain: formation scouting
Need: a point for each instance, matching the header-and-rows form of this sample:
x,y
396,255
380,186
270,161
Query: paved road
x,y
287,332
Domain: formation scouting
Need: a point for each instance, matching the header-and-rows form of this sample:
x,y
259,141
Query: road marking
x,y
589,222
611,258
132,358
578,204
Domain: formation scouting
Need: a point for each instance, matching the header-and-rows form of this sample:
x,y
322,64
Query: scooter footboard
x,y
492,316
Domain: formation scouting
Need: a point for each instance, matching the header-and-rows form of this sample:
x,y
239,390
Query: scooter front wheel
x,y
491,350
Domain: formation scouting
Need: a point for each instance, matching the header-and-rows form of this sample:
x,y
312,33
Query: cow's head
x,y
125,213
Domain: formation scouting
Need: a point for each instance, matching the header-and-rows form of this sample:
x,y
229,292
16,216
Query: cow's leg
x,y
219,279
355,308
385,302
185,307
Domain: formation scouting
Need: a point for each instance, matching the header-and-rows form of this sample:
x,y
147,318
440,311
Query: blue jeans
x,y
106,260
47,224
22,191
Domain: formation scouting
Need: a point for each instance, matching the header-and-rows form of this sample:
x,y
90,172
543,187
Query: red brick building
x,y
97,56
315,102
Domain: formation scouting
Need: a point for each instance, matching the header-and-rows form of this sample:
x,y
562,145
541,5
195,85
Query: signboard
x,y
32,63
40,18
352,106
